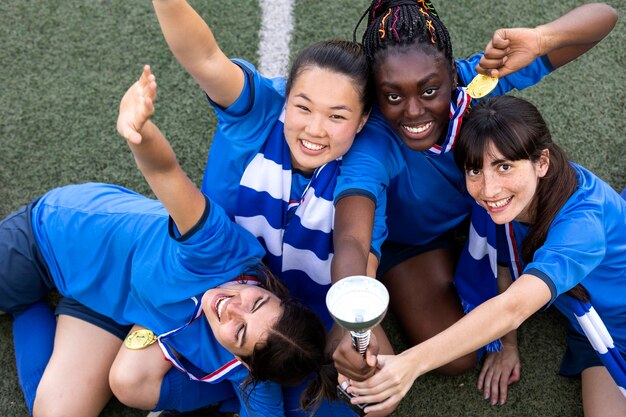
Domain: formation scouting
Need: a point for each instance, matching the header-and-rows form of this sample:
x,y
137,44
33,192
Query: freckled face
x,y
413,90
241,315
323,114
506,189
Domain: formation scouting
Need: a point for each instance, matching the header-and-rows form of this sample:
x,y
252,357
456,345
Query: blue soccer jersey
x,y
425,192
586,244
249,174
119,253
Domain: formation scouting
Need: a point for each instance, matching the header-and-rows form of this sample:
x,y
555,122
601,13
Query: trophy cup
x,y
357,304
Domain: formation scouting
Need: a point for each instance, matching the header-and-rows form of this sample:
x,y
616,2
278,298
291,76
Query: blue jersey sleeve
x,y
525,77
216,246
574,247
265,399
249,119
366,171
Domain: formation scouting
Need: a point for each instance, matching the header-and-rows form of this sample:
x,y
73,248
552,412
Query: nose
x,y
233,309
491,184
315,126
414,107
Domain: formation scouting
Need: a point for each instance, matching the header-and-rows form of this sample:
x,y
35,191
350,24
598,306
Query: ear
x,y
543,163
455,76
364,118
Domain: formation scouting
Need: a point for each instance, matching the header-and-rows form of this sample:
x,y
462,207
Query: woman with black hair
x,y
178,267
568,234
403,157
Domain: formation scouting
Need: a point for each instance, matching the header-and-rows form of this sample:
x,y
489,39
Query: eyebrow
x,y
245,330
420,82
338,107
498,161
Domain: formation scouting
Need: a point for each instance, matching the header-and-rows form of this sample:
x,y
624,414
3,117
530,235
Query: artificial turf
x,y
64,65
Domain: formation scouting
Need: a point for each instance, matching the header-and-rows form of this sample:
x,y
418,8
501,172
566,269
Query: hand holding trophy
x,y
357,303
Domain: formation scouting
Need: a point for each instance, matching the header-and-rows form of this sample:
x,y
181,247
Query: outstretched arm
x,y
154,155
191,41
562,40
485,323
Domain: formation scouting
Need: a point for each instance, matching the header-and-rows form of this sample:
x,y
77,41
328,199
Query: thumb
x,y
371,358
381,361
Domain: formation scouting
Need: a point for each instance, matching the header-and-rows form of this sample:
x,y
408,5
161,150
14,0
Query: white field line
x,y
275,36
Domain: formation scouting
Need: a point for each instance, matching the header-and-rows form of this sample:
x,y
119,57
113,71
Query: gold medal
x,y
481,85
140,339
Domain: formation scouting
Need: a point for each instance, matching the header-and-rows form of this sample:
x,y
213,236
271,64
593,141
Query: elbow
x,y
516,311
609,15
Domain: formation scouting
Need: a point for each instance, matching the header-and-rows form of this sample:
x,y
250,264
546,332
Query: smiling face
x,y
241,315
506,189
413,89
323,114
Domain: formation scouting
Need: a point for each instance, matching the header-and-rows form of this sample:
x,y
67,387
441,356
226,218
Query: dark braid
x,y
403,23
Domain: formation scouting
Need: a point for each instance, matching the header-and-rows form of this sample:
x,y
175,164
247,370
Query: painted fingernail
x,y
344,384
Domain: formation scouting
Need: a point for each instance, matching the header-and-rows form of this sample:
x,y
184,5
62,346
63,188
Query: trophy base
x,y
343,395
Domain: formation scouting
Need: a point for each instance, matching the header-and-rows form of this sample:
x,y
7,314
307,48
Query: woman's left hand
x,y
500,369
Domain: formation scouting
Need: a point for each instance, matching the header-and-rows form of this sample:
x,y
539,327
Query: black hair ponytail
x,y
322,386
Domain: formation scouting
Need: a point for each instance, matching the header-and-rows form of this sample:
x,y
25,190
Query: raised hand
x,y
137,106
510,50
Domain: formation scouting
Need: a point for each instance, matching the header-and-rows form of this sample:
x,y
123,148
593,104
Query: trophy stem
x,y
360,340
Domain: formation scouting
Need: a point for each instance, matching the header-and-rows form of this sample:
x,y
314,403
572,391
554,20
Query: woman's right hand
x,y
388,386
137,106
350,363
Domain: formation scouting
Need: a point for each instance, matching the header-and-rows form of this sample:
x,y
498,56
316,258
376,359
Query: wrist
x,y
546,40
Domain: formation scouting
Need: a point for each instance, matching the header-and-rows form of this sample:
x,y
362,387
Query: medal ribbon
x,y
457,110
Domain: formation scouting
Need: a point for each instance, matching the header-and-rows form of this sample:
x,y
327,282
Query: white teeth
x,y
219,306
312,146
498,204
419,129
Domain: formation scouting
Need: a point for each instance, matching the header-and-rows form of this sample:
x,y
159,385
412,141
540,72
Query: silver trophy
x,y
358,303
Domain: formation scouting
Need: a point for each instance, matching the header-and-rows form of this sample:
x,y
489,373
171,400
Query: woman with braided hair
x,y
564,244
403,155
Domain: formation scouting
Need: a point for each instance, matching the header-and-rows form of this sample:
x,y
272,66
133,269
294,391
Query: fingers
x,y
499,39
483,373
351,363
516,374
147,81
494,389
384,407
504,388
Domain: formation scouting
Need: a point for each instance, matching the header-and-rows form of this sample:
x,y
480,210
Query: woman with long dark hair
x,y
570,228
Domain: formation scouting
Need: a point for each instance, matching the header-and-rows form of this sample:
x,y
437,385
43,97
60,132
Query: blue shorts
x,y
579,355
394,253
25,278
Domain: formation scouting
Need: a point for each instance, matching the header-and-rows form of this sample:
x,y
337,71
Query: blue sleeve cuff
x,y
355,192
547,63
173,230
542,276
245,101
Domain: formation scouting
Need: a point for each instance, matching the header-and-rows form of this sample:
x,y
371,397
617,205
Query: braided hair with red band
x,y
404,23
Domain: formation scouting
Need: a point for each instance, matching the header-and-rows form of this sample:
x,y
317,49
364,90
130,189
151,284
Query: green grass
x,y
64,65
